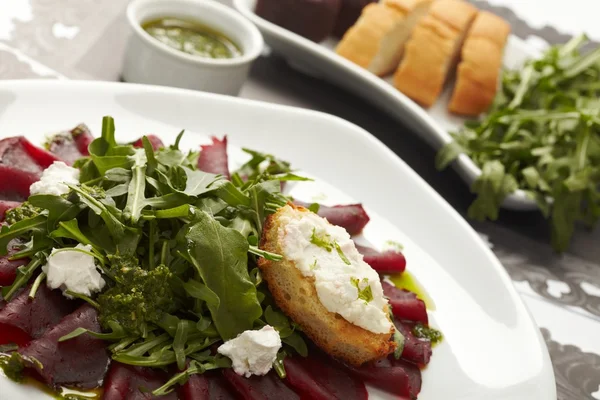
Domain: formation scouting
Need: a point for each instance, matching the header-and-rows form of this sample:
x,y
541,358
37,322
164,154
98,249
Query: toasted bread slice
x,y
376,41
297,296
433,49
481,61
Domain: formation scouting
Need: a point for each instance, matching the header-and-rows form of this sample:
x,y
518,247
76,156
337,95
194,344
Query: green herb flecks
x,y
399,340
542,135
423,332
323,241
341,253
365,294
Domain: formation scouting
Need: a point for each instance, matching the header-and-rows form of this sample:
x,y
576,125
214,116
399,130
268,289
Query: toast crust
x,y
433,50
478,72
296,295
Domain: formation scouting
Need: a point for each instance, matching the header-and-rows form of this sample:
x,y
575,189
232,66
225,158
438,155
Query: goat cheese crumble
x,y
54,178
345,284
252,352
73,270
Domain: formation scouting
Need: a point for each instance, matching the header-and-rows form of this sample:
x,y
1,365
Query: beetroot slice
x,y
388,262
15,183
213,157
351,217
405,305
415,350
6,205
24,319
127,382
71,145
21,154
320,377
154,140
8,268
80,362
395,376
268,387
207,386
21,164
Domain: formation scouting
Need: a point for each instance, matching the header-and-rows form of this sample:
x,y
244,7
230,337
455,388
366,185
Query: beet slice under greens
x,y
24,319
80,362
213,158
71,145
134,383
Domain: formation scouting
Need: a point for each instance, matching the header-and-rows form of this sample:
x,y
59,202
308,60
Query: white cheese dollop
x,y
73,270
252,352
54,178
338,277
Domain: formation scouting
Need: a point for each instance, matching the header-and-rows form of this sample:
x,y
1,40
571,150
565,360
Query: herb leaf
x,y
219,255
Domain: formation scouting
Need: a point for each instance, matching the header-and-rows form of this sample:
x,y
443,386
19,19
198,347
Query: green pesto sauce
x,y
192,38
406,281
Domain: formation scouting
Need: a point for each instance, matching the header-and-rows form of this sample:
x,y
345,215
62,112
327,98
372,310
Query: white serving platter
x,y
433,125
492,349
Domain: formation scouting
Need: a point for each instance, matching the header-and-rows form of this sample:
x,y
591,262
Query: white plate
x,y
432,125
492,348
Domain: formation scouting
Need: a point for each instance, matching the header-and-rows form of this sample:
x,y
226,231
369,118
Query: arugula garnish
x,y
542,135
177,247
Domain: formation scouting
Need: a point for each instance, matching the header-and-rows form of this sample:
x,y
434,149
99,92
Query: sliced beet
x,y
127,382
21,154
405,304
21,164
268,387
351,217
71,145
17,187
24,319
8,268
80,362
154,141
387,262
6,205
319,377
210,385
415,350
395,376
213,157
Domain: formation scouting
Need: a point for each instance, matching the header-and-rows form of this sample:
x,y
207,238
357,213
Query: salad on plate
x,y
141,270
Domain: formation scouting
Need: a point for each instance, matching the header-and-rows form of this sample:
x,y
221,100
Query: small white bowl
x,y
148,60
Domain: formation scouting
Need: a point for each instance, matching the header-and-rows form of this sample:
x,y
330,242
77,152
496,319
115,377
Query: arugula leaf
x,y
491,188
199,182
21,228
219,255
137,186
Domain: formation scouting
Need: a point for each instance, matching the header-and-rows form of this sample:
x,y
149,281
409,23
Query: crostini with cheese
x,y
323,284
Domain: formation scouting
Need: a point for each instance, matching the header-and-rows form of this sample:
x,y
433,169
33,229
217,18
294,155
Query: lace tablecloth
x,y
85,39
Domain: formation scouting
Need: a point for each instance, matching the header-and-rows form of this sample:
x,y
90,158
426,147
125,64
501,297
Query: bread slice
x,y
376,40
296,295
481,61
433,49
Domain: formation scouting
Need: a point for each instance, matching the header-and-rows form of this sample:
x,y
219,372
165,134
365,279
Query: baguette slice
x,y
478,71
296,295
376,41
433,50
